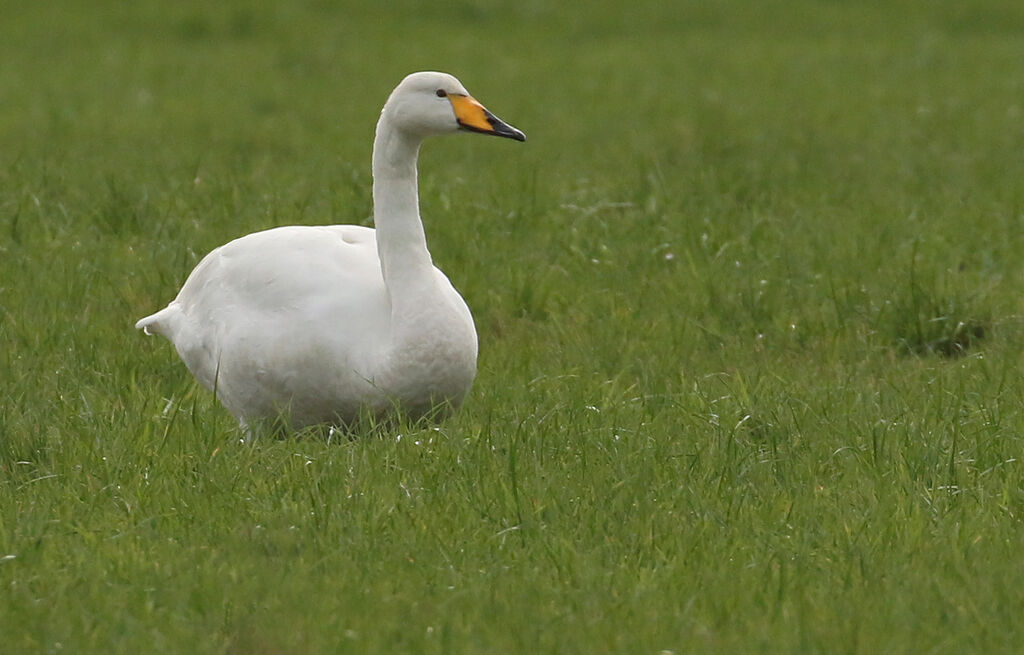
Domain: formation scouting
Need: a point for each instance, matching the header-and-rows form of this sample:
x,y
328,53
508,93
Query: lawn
x,y
748,299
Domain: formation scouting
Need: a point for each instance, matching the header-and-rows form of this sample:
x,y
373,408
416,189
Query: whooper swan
x,y
316,324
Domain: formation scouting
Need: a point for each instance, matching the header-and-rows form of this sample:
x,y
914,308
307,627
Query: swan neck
x,y
401,242
394,159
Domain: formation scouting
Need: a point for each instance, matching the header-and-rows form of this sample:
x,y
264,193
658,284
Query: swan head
x,y
430,103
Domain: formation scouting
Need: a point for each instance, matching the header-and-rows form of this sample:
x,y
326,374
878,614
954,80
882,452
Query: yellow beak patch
x,y
473,116
470,113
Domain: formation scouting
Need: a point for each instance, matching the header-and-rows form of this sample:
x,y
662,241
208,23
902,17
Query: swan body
x,y
317,324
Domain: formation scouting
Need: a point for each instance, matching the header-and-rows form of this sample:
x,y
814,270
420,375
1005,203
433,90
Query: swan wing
x,y
289,312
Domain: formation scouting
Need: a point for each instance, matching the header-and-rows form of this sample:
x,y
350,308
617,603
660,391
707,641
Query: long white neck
x,y
429,354
401,242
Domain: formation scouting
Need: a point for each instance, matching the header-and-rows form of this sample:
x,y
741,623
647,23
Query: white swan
x,y
316,324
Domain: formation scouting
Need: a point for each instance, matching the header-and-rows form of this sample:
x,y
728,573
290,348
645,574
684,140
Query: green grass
x,y
749,303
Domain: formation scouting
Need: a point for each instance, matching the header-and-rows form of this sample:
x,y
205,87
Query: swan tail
x,y
165,322
197,353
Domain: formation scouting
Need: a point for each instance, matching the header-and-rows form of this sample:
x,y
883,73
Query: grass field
x,y
749,302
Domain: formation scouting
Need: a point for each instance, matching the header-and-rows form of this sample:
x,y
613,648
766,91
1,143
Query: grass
x,y
748,302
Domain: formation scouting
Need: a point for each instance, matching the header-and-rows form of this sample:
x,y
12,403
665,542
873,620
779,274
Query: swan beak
x,y
473,116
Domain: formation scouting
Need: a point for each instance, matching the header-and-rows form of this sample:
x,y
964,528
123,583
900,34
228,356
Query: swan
x,y
308,325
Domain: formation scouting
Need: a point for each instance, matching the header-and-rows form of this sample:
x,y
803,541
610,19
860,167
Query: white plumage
x,y
316,324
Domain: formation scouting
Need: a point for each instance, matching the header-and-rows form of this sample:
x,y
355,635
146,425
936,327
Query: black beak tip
x,y
498,128
501,128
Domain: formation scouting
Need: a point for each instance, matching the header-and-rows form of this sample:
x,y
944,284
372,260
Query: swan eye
x,y
441,93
